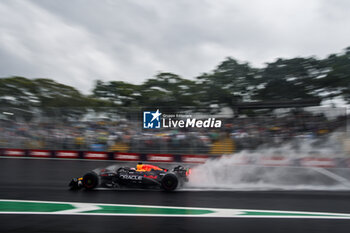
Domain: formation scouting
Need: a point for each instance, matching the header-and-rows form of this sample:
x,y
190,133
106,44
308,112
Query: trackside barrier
x,y
126,156
40,153
318,162
194,158
308,161
275,161
167,158
96,155
66,154
13,152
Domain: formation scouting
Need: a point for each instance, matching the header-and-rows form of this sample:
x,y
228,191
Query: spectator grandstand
x,y
119,134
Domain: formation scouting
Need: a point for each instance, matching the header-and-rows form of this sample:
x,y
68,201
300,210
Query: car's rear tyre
x,y
90,180
169,182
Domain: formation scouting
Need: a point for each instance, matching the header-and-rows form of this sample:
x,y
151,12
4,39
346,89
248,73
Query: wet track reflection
x,y
47,180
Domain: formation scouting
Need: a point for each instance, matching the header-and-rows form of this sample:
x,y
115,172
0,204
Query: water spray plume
x,y
231,172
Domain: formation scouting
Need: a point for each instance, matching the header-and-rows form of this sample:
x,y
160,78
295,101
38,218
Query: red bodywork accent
x,y
147,168
150,176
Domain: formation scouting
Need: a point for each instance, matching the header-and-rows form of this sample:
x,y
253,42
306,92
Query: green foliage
x,y
337,80
46,94
17,92
119,93
168,90
229,83
291,79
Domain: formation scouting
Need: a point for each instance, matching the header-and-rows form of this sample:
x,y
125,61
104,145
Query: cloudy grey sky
x,y
78,41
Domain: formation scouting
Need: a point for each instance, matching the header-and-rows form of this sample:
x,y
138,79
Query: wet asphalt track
x,y
47,180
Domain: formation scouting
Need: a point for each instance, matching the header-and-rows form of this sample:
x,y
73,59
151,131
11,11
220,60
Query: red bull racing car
x,y
141,176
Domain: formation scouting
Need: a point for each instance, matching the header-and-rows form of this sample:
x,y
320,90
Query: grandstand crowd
x,y
128,136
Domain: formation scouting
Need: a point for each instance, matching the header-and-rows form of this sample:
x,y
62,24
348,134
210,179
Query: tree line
x,y
231,82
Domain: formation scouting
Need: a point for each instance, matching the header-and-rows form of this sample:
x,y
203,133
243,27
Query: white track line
x,y
79,207
333,176
215,212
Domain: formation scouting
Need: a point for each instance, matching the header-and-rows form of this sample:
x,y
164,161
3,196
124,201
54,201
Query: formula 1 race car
x,y
143,176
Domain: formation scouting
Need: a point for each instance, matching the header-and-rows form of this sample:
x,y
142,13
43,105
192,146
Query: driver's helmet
x,y
139,166
132,169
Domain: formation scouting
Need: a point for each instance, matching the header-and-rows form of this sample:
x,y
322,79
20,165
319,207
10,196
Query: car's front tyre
x,y
90,180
